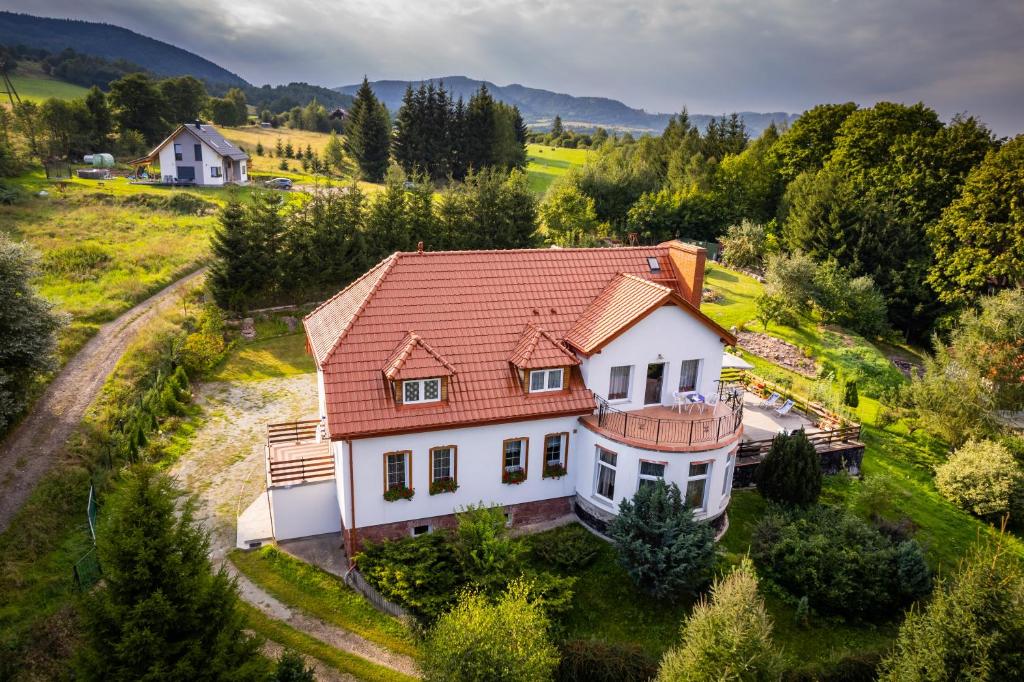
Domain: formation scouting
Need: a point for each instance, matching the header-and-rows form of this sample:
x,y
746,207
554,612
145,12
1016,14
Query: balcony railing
x,y
671,431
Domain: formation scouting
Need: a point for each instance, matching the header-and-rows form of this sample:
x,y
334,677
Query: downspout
x,y
352,503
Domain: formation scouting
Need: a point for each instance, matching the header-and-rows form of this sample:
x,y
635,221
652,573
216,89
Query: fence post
x,y
657,433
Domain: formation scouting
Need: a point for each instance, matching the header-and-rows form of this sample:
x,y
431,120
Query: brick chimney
x,y
688,262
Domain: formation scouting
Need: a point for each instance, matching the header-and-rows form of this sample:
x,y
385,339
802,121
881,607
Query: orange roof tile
x,y
626,299
537,348
415,359
473,307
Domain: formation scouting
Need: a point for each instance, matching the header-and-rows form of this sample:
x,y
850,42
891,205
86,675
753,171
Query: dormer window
x,y
546,380
421,391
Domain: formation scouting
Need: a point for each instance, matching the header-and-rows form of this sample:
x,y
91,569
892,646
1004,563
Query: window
x,y
442,463
396,470
653,264
214,171
545,380
421,391
556,445
177,152
618,386
604,486
650,472
697,485
243,168
199,152
730,467
688,375
514,455
420,530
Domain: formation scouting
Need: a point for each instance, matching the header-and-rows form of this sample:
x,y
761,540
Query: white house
x,y
548,381
196,153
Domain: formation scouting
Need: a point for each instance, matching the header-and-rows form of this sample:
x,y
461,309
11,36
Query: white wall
x,y
304,509
211,159
670,332
479,470
627,478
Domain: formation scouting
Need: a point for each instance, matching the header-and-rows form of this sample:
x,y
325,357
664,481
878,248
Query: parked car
x,y
279,183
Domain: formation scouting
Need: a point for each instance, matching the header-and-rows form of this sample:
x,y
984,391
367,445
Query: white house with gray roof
x,y
196,153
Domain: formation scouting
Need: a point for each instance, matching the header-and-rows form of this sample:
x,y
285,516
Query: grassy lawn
x,y
320,594
36,87
260,359
300,642
545,164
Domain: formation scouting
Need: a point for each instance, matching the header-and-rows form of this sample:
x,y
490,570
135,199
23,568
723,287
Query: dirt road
x,y
37,442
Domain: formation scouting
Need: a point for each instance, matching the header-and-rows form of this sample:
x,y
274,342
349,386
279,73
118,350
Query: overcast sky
x,y
713,56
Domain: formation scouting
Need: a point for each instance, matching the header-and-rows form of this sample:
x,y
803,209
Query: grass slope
x,y
266,358
322,595
35,88
545,164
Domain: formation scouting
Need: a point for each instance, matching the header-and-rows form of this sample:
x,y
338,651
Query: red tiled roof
x,y
626,299
472,307
537,348
415,359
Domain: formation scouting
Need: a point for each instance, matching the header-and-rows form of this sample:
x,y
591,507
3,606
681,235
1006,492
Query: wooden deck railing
x,y
292,432
821,441
668,432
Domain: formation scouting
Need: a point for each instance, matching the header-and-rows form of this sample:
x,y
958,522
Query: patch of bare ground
x,y
777,351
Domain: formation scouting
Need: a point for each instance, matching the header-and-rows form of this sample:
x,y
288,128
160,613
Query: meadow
x,y
35,86
546,164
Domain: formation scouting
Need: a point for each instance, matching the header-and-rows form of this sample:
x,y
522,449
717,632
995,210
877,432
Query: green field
x,y
545,164
38,88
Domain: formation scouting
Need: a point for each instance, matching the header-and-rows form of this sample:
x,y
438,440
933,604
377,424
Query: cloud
x,y
661,55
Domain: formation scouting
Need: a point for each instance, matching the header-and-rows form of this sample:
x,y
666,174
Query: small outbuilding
x,y
197,154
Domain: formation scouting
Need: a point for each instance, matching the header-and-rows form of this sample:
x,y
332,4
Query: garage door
x,y
186,173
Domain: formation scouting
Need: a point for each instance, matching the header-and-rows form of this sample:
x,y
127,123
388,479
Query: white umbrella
x,y
730,361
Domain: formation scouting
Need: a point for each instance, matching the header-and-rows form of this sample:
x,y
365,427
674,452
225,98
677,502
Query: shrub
x,y
418,573
841,564
480,640
665,550
791,471
597,661
744,245
971,630
292,668
483,548
728,637
983,478
568,548
850,397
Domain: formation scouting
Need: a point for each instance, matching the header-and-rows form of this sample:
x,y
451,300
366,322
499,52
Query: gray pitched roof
x,y
212,137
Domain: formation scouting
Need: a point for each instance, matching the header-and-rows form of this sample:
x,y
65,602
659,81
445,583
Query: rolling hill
x,y
110,42
539,107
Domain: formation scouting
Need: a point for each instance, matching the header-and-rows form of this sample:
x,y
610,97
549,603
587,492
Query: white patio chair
x,y
770,401
679,400
784,410
711,401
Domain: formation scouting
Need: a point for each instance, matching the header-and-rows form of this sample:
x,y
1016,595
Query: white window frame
x,y
629,384
598,464
451,463
706,477
215,172
696,376
641,476
563,446
413,533
548,375
730,469
421,391
179,154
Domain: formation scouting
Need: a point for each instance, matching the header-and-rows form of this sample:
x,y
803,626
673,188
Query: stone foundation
x,y
525,514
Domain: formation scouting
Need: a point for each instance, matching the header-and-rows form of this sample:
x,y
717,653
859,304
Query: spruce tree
x,y
229,273
403,143
279,149
368,138
557,129
386,227
161,611
480,133
791,471
100,119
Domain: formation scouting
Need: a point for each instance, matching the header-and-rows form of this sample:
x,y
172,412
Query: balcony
x,y
659,427
295,454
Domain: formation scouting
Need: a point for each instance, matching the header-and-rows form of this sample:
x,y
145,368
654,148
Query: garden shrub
x,y
728,637
850,397
483,640
744,245
485,552
418,573
665,550
984,478
791,471
570,547
586,660
205,347
554,593
842,564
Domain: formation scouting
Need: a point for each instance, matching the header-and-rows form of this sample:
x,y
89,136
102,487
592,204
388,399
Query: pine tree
x,y
368,138
386,227
403,143
289,150
308,154
100,119
229,274
279,149
480,134
557,129
259,148
334,153
161,612
791,471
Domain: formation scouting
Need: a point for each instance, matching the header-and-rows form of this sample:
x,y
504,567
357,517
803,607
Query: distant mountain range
x,y
539,107
110,42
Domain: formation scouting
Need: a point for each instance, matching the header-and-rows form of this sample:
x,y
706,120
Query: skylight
x,y
653,264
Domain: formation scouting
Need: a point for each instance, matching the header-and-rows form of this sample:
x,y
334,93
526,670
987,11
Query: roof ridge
x,y
386,264
572,249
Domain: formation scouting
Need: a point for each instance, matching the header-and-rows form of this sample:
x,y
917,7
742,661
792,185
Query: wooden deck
x,y
294,455
662,427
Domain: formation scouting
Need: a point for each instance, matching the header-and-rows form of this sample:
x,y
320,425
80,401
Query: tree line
x,y
267,252
925,208
434,134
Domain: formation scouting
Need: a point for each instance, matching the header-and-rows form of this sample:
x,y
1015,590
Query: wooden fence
x,y
357,582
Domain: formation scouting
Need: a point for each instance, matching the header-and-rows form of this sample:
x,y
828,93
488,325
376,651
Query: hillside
x,y
539,107
110,42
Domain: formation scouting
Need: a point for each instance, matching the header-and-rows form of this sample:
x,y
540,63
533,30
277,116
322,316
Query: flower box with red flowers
x,y
554,470
443,485
399,493
513,476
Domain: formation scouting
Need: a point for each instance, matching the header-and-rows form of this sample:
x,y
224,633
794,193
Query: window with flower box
x,y
514,457
398,475
443,469
556,448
